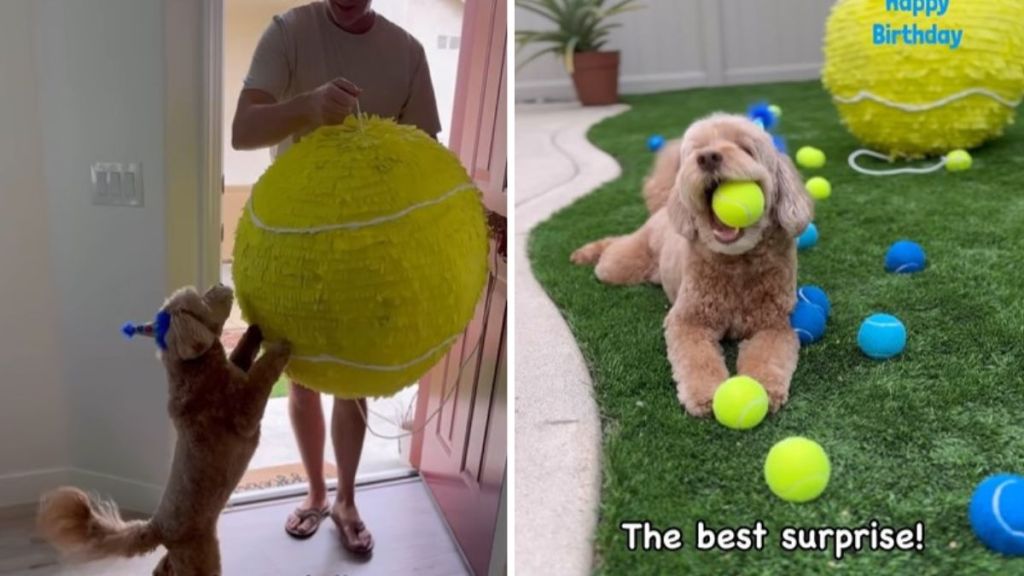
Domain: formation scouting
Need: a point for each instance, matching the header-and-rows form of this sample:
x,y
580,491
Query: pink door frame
x,y
462,453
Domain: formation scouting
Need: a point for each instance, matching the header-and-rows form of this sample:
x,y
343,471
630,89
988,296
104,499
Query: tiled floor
x,y
410,538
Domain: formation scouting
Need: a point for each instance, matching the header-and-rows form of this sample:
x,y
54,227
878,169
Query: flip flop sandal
x,y
357,527
304,515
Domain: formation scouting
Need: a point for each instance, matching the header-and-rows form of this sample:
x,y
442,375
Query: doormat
x,y
278,476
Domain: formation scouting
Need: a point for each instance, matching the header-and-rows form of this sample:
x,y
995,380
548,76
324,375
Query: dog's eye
x,y
747,150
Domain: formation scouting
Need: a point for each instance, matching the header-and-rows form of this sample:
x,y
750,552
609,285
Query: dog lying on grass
x,y
722,282
216,406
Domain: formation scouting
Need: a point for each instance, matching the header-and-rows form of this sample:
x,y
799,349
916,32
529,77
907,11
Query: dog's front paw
x,y
582,256
697,402
589,253
777,397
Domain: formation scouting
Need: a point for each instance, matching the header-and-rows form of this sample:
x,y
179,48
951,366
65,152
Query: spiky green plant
x,y
580,26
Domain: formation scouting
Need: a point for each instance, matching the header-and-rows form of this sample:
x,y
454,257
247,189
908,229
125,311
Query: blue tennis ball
x,y
882,336
761,113
905,257
655,142
809,238
816,296
996,513
808,321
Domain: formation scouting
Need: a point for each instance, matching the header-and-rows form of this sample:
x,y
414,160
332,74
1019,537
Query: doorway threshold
x,y
284,492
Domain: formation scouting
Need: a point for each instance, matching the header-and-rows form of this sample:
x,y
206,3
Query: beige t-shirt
x,y
303,49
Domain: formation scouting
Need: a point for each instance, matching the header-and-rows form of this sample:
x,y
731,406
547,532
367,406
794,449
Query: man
x,y
311,66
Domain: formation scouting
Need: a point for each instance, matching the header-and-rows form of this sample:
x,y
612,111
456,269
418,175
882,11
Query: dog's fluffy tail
x,y
78,524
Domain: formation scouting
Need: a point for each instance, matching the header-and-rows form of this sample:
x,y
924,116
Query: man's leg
x,y
308,424
348,428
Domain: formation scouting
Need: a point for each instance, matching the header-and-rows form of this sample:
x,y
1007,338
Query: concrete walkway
x,y
558,431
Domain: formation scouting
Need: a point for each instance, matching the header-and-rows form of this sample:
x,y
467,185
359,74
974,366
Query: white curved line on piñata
x,y
865,95
358,224
379,367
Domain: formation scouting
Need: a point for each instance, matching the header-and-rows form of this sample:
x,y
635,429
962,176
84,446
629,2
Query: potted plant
x,y
581,31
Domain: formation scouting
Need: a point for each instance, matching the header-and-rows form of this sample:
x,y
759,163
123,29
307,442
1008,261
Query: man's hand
x,y
331,103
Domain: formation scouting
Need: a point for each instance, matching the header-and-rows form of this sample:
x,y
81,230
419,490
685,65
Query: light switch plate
x,y
117,184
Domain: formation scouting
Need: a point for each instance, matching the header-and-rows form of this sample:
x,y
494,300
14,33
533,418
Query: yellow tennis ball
x,y
797,469
740,403
810,157
365,245
776,111
958,161
738,204
921,99
819,188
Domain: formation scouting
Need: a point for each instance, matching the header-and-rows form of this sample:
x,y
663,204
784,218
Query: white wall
x,y
99,83
674,44
432,22
33,408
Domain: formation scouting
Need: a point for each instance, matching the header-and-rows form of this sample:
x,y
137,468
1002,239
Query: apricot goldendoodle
x,y
216,404
722,282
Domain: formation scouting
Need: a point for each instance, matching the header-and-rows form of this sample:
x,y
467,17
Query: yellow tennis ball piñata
x,y
740,403
738,204
364,245
909,100
797,469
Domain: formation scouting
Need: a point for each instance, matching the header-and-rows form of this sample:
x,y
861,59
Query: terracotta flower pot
x,y
596,77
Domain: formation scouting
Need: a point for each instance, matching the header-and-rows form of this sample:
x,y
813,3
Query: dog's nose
x,y
709,161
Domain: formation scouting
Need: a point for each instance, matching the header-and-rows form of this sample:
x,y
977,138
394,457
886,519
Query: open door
x,y
462,453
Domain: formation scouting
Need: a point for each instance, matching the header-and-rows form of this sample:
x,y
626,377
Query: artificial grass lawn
x,y
909,438
280,389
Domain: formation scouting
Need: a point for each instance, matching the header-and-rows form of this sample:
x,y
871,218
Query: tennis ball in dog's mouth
x,y
738,204
996,513
882,336
810,157
740,403
797,469
958,161
819,188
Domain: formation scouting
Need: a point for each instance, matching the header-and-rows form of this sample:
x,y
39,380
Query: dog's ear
x,y
660,182
188,337
219,299
793,208
680,215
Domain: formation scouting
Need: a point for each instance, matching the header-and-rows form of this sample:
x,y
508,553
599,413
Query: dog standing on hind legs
x,y
722,282
216,405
